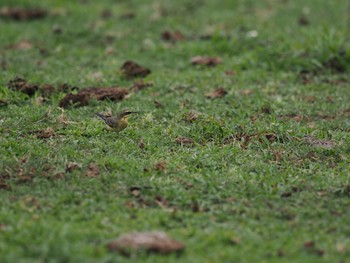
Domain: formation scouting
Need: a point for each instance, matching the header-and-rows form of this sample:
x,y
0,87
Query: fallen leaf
x,y
184,141
141,144
135,191
157,104
160,166
71,166
191,116
155,241
161,201
17,13
172,36
132,70
92,170
39,101
207,61
218,93
45,134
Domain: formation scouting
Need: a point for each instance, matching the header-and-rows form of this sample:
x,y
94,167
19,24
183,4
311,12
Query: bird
x,y
116,123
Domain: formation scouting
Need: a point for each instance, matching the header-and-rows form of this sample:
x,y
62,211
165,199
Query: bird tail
x,y
101,116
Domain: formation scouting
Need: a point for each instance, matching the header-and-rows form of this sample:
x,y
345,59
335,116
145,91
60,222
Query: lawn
x,y
240,149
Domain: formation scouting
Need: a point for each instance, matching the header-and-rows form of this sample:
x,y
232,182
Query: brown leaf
x,y
172,36
326,144
160,166
155,241
21,85
191,116
218,93
92,170
184,141
135,191
71,166
132,70
17,13
45,134
161,201
206,61
141,144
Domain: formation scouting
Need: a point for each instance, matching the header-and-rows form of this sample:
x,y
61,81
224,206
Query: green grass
x,y
229,201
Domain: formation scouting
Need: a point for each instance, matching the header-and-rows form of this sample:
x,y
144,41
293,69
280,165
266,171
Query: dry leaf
x,y
172,36
207,61
141,144
131,70
184,141
71,166
45,134
155,241
218,93
160,166
92,170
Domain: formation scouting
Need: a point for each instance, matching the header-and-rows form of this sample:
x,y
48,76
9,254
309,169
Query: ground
x,y
240,150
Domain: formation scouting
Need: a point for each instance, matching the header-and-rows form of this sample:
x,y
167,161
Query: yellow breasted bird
x,y
116,123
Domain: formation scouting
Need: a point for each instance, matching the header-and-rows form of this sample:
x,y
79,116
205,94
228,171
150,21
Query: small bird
x,y
116,123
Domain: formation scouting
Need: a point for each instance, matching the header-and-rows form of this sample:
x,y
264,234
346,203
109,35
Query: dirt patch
x,y
22,14
206,61
131,69
155,241
218,93
21,85
83,97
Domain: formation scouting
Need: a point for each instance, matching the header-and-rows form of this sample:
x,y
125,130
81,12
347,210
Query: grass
x,y
243,200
